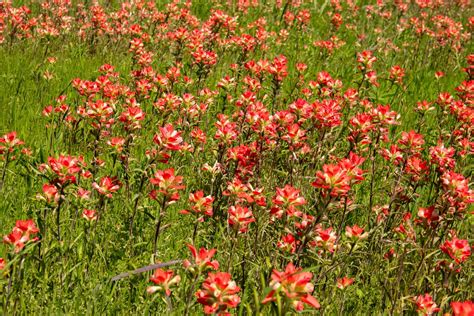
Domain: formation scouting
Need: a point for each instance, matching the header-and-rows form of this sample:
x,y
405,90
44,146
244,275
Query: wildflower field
x,y
241,157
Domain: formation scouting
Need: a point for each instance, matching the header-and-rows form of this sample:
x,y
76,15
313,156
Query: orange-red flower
x,y
458,249
355,232
295,285
344,282
200,204
425,304
201,259
107,186
21,234
288,198
164,280
218,294
90,215
8,142
169,138
463,308
168,184
334,179
240,217
65,168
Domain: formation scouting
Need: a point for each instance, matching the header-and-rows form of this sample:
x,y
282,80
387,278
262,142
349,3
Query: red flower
x,y
457,189
390,254
365,59
107,186
164,280
327,113
351,165
383,115
458,249
295,136
203,57
218,293
371,77
288,198
424,106
355,232
428,215
334,179
200,204
198,135
50,193
325,239
16,238
202,259
83,194
27,226
443,157
98,110
169,138
226,130
278,68
344,282
116,143
64,167
463,308
240,217
416,167
21,234
397,73
295,285
132,116
10,141
426,305
168,102
412,141
168,184
90,215
238,190
288,243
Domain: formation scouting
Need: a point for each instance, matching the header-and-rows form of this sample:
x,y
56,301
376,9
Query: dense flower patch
x,y
298,156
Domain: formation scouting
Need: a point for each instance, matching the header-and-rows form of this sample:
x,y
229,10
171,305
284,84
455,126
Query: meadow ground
x,y
276,157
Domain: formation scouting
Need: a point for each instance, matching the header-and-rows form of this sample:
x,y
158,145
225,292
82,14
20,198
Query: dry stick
x,y
394,196
189,295
135,207
58,214
399,278
195,230
126,163
339,230
423,256
300,250
158,224
235,240
372,178
4,171
145,269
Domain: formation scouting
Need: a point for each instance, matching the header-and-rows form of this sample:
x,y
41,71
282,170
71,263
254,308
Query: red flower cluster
x,y
218,294
164,280
22,233
107,186
168,185
295,285
336,179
